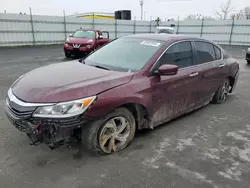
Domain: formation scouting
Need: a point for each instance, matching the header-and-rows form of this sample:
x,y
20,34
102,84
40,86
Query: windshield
x,y
125,54
84,34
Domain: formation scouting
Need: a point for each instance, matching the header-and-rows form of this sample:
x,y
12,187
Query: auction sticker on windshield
x,y
150,43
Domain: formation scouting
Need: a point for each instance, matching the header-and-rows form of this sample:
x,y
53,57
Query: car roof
x,y
88,30
165,28
165,37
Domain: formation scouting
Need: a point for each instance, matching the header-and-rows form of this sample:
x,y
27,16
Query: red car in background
x,y
84,41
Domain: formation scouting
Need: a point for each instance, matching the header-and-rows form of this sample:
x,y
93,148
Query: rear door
x,y
209,68
175,95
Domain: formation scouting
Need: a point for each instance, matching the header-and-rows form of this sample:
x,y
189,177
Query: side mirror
x,y
100,37
70,35
165,70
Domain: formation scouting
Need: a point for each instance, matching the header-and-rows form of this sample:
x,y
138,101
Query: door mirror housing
x,y
166,70
70,35
100,37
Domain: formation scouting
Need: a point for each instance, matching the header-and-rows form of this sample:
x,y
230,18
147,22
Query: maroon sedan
x,y
135,82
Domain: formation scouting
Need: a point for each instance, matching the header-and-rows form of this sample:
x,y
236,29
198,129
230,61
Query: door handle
x,y
221,65
194,74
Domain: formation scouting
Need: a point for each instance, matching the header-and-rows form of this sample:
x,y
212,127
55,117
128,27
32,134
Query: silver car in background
x,y
167,30
248,56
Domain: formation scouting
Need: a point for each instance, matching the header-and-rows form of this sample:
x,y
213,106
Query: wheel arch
x,y
140,114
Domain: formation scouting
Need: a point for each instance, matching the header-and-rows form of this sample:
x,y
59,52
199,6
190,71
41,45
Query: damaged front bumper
x,y
53,132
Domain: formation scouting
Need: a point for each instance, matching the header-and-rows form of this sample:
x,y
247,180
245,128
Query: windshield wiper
x,y
101,67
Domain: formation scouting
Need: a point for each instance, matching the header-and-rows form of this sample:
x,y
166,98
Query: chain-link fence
x,y
16,29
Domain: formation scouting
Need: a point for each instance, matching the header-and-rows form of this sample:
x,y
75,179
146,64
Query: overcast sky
x,y
161,8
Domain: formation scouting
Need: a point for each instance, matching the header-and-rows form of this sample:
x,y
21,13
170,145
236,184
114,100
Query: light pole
x,y
141,4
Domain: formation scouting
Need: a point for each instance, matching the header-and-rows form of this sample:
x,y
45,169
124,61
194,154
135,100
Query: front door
x,y
175,95
102,41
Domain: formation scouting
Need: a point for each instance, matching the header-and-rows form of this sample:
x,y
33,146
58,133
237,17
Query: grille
x,y
18,111
81,45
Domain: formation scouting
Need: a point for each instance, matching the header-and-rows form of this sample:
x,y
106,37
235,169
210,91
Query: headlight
x,y
66,44
65,109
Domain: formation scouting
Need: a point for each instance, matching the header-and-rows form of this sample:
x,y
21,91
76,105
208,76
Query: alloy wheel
x,y
114,134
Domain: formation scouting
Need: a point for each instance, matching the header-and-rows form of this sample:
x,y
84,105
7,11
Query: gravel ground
x,y
207,148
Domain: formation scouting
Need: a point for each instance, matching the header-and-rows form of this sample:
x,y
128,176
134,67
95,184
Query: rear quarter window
x,y
225,55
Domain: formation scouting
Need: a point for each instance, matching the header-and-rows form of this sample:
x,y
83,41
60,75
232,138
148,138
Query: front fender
x,y
104,106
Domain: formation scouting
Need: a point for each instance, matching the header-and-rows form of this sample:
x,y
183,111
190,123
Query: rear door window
x,y
217,53
179,54
205,52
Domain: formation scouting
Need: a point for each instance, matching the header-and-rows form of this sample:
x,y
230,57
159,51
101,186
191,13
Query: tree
x,y
170,19
198,17
247,12
224,10
242,14
191,17
208,18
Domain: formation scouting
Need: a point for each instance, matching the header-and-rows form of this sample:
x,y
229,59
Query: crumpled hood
x,y
80,40
66,81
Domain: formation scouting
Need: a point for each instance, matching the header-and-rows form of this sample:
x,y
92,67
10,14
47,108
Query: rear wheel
x,y
67,54
110,134
222,93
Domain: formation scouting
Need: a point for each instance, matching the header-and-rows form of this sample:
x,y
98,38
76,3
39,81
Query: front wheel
x,y
67,54
110,134
222,93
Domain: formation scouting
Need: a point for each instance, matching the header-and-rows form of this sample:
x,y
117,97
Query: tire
x,y
93,133
95,48
67,54
222,93
248,62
